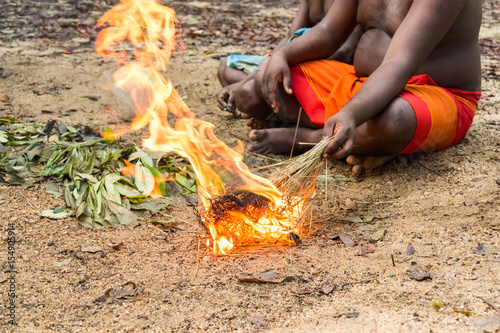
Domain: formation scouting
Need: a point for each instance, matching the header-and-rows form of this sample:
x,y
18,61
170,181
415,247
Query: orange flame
x,y
152,28
129,169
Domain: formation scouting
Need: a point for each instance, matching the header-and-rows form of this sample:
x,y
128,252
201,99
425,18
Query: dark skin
x,y
239,88
400,38
310,13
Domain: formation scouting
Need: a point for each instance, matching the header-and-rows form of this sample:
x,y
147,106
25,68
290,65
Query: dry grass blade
x,y
299,172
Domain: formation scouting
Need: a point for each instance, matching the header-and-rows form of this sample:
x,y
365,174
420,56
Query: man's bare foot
x,y
361,163
280,141
255,123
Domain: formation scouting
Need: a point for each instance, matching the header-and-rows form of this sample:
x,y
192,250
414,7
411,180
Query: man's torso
x,y
318,10
454,63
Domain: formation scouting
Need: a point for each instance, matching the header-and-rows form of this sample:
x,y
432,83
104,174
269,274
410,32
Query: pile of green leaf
x,y
78,164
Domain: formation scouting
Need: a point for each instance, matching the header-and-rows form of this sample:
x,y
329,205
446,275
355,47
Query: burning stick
x,y
257,211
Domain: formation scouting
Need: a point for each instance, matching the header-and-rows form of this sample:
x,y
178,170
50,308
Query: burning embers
x,y
242,218
257,212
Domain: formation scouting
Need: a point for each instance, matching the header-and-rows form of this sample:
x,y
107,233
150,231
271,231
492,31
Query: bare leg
x,y
243,96
378,140
228,75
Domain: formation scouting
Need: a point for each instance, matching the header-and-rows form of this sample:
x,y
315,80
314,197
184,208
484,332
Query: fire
x,y
255,210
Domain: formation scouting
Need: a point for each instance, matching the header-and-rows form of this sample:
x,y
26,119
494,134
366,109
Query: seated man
x,y
236,71
414,84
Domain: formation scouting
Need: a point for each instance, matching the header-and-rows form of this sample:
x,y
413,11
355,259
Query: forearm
x,y
385,84
326,37
315,44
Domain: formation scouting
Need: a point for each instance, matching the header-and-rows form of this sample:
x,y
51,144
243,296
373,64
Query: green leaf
x,y
3,137
111,193
49,213
169,223
63,263
123,215
108,130
92,179
183,181
52,188
69,198
149,180
154,206
128,191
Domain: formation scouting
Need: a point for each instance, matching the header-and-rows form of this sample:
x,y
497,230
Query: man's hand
x,y
225,100
277,70
343,129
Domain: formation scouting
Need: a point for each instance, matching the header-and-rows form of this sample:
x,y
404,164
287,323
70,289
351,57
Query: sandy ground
x,y
446,204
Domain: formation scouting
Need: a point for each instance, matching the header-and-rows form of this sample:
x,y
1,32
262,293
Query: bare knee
x,y
221,73
388,132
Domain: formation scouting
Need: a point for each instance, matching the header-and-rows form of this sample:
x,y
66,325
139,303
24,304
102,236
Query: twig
x,y
375,203
32,205
178,218
326,184
393,262
296,130
198,263
490,304
163,232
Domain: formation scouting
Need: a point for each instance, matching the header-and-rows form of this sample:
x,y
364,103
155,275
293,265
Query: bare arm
x,y
322,41
425,25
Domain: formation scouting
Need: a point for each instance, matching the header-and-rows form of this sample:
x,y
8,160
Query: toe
x,y
354,160
357,170
257,135
257,148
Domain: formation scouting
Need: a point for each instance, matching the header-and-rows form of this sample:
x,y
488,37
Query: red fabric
x,y
444,116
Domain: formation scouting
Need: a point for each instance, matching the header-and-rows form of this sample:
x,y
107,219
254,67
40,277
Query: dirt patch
x,y
446,204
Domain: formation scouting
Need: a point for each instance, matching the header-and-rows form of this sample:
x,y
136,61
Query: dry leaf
x,y
418,273
300,291
63,263
378,235
6,98
365,249
346,239
117,247
410,250
128,290
260,321
327,287
489,323
349,205
92,249
265,277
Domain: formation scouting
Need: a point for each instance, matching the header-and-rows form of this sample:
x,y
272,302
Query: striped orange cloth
x,y
444,116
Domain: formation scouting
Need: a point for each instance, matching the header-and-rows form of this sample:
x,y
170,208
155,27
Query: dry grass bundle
x,y
298,175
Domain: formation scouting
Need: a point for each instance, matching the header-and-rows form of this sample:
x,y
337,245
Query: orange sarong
x,y
444,116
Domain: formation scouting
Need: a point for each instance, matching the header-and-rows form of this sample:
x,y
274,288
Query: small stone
x,y
418,273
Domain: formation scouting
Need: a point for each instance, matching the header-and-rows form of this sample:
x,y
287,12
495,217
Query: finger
x,y
328,130
271,94
337,152
335,144
230,103
287,81
221,99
